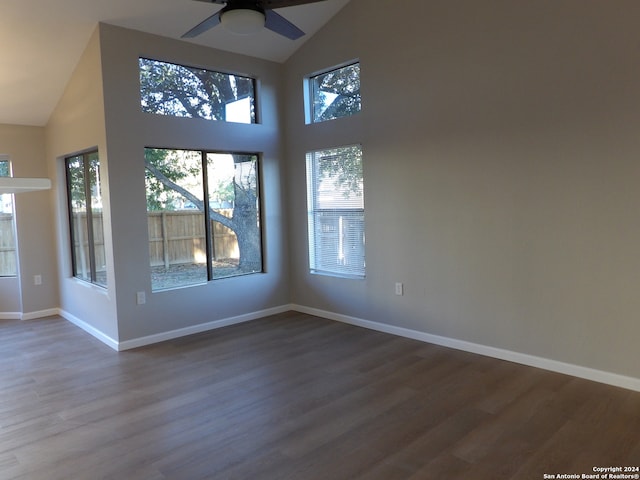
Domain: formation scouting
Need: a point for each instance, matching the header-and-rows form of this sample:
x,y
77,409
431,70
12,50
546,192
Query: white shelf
x,y
19,185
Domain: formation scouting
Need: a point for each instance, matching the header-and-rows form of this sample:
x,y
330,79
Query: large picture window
x,y
193,240
85,218
334,94
336,211
181,91
8,257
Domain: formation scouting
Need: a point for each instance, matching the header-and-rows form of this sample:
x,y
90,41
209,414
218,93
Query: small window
x,y
85,218
334,94
8,256
336,212
181,91
193,241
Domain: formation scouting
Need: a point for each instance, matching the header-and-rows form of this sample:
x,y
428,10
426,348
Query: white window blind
x,y
336,212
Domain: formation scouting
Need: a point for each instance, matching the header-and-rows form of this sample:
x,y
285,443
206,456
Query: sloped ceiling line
x,y
42,41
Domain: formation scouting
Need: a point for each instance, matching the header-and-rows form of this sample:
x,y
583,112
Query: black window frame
x,y
5,160
254,86
209,234
311,91
85,155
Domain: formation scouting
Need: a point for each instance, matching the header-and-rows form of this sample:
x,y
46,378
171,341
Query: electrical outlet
x,y
37,279
399,288
141,298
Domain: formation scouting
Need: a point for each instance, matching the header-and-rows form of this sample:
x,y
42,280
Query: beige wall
x,y
25,147
501,150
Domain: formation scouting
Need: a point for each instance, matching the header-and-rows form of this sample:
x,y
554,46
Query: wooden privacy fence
x,y
179,238
7,246
175,237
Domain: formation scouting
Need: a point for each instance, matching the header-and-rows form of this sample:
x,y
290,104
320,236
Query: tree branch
x,y
167,182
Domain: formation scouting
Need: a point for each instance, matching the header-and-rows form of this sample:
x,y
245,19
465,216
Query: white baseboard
x,y
40,314
90,329
600,376
609,378
30,315
203,327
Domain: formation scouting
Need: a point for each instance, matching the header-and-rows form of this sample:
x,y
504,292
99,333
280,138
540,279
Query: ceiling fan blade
x,y
267,4
277,23
203,26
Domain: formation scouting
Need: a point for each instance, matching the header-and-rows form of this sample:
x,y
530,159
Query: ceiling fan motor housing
x,y
246,17
242,17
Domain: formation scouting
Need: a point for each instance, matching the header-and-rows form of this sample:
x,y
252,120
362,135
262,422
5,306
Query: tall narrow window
x,y
334,94
336,212
85,218
8,257
192,241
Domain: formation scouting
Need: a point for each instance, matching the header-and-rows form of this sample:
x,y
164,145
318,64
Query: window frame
x,y
209,234
309,92
85,155
254,86
5,159
314,211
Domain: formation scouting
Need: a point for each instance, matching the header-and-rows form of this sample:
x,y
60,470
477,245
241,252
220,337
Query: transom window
x,y
193,240
334,94
181,91
336,212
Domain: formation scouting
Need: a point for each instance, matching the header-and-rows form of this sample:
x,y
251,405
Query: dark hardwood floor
x,y
294,397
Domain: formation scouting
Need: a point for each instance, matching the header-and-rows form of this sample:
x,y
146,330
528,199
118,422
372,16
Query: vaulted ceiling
x,y
42,40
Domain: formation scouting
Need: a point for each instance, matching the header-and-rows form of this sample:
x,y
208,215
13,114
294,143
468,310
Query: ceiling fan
x,y
249,16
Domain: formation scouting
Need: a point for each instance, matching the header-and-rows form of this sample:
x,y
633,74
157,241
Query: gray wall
x,y
26,149
77,124
101,108
129,130
501,150
501,164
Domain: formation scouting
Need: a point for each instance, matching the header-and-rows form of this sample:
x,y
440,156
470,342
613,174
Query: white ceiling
x,y
42,40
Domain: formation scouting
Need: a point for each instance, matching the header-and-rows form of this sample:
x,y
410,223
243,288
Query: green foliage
x,y
163,195
223,192
5,170
344,166
75,180
178,90
83,172
174,181
336,93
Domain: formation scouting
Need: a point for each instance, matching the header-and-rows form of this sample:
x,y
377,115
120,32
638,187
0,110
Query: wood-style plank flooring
x,y
294,397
